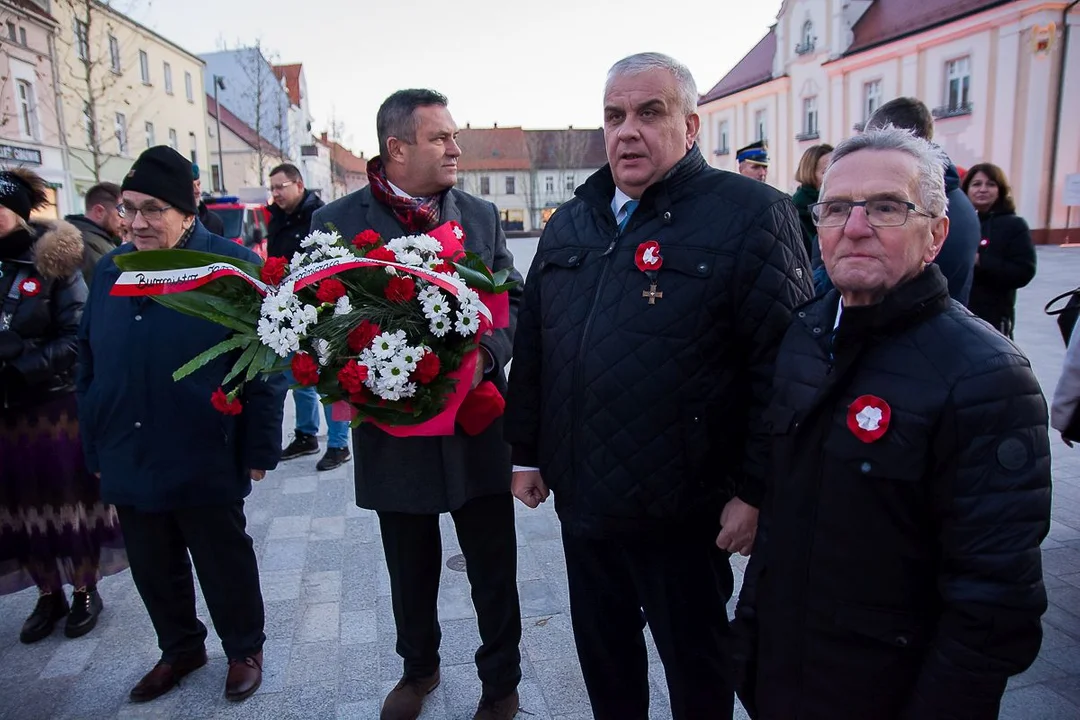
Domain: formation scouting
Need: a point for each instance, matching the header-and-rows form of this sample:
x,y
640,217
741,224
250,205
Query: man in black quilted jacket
x,y
897,573
652,314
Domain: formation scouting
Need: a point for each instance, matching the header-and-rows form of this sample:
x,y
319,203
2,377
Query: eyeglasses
x,y
879,213
150,213
282,186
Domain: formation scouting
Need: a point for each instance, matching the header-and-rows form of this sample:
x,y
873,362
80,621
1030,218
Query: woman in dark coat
x,y
54,529
809,176
1006,258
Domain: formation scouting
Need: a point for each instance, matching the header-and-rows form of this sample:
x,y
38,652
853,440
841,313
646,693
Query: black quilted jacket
x,y
898,578
636,414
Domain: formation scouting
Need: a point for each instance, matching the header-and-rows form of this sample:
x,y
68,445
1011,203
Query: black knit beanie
x,y
15,194
163,173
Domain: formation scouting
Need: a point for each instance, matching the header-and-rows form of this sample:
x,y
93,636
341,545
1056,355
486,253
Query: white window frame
x,y
761,125
511,185
149,127
958,70
144,67
174,141
808,33
189,88
194,148
26,98
549,184
571,184
872,95
88,122
114,55
82,40
723,142
810,120
121,130
485,185
166,69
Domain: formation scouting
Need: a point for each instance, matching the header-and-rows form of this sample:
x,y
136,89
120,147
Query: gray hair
x,y
930,158
396,116
643,62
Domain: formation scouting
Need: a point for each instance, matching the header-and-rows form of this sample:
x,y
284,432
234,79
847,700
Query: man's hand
x,y
481,362
528,487
738,526
258,475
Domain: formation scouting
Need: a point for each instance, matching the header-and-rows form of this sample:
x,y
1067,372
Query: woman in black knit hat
x,y
54,529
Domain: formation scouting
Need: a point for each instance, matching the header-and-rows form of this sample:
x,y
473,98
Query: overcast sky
x,y
538,63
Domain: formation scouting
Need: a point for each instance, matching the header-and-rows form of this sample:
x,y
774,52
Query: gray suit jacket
x,y
433,474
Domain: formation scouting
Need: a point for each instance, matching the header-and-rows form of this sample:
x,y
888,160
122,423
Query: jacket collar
x,y
919,298
599,189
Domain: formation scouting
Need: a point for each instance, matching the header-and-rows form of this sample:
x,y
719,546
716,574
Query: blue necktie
x,y
628,208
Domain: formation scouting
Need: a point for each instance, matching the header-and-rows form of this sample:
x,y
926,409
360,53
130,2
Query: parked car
x,y
245,223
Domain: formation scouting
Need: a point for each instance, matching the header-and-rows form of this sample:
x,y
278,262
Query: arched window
x,y
806,39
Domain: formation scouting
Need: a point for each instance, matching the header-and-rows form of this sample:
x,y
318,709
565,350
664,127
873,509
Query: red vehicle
x,y
245,223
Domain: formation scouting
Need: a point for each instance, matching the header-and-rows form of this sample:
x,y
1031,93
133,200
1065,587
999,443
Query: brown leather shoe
x,y
502,709
244,678
164,677
406,700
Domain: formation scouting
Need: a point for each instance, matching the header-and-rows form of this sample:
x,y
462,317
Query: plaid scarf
x,y
416,215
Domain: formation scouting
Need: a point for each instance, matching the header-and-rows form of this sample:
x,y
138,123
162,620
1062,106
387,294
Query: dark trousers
x,y
158,544
679,582
413,546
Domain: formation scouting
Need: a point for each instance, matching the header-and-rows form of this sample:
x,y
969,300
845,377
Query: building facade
x,y
300,119
123,88
30,116
1003,84
495,165
253,91
244,164
561,161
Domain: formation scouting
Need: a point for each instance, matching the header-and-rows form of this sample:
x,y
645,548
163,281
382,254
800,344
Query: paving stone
x,y
318,623
290,527
1036,702
358,627
298,485
321,587
312,663
280,584
330,528
325,555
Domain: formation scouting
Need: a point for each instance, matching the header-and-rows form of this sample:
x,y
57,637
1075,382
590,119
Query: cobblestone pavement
x,y
330,648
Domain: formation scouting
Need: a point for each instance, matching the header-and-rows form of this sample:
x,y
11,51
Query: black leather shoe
x,y
50,609
85,608
334,457
164,677
302,444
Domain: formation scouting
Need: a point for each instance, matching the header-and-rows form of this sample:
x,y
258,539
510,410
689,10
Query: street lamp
x,y
219,82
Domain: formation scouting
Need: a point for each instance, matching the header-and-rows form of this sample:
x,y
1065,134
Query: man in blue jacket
x,y
176,469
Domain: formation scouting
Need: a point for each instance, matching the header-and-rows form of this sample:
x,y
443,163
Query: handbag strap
x,y
1068,294
11,302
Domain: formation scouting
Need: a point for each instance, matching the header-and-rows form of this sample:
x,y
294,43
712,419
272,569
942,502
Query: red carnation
x,y
224,405
330,290
381,253
352,376
444,267
360,397
362,335
274,270
368,237
400,289
427,369
305,369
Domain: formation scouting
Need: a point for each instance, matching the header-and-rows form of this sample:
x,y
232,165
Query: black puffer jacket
x,y
286,230
898,577
38,351
1006,263
640,415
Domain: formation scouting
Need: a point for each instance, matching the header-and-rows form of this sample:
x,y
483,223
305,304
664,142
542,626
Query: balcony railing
x,y
808,136
806,47
946,111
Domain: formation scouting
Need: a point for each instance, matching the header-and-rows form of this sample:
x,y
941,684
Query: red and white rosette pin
x,y
648,257
868,418
30,287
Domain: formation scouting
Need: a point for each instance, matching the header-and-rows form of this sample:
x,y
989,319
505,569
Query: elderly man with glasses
x,y
176,469
897,569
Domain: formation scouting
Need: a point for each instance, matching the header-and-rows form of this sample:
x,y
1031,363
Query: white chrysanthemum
x,y
468,296
390,271
410,355
467,323
395,372
319,238
410,257
343,306
434,304
408,390
386,345
322,351
439,325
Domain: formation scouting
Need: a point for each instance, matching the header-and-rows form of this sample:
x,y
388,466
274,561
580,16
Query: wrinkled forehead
x,y
871,173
